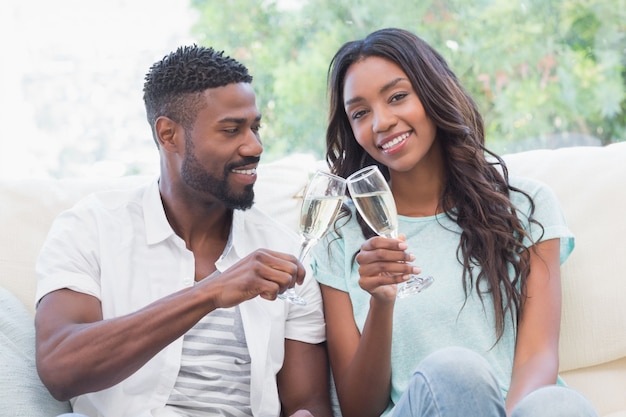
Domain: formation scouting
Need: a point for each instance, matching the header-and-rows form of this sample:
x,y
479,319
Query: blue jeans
x,y
71,415
457,382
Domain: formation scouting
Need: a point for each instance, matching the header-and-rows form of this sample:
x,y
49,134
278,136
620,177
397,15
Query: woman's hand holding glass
x,y
383,262
373,199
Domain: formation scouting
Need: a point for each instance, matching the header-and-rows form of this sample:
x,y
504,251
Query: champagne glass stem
x,y
305,247
290,294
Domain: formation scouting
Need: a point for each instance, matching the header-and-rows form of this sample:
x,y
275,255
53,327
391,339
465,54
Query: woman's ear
x,y
167,133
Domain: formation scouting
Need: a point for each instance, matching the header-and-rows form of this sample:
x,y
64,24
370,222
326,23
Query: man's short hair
x,y
173,86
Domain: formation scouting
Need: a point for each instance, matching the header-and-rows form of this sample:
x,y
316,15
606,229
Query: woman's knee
x,y
452,382
458,364
554,401
71,415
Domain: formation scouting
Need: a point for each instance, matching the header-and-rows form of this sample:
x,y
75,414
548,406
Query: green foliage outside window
x,y
545,73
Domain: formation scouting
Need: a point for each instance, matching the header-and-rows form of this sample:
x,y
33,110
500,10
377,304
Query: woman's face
x,y
386,115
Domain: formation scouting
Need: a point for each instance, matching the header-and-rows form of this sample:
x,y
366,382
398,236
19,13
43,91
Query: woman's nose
x,y
384,119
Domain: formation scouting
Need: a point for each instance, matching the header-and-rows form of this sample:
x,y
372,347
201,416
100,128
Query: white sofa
x,y
589,181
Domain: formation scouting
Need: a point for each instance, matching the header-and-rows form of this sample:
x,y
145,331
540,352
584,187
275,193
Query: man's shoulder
x,y
114,198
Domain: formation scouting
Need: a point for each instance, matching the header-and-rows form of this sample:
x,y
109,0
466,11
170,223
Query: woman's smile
x,y
395,144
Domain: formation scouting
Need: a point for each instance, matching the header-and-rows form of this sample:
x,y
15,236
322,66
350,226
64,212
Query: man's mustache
x,y
244,162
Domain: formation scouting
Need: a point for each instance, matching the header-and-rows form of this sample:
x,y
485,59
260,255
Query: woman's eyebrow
x,y
384,88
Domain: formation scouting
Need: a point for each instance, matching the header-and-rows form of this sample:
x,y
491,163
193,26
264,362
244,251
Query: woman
x,y
483,339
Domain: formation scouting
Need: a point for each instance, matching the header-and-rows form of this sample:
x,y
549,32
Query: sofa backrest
x,y
590,183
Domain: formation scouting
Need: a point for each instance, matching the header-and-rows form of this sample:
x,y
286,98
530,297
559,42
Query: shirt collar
x,y
237,239
240,243
157,227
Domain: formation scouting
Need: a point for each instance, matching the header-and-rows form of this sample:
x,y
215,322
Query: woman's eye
x,y
398,96
358,114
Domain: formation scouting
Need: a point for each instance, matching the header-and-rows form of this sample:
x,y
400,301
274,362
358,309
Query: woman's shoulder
x,y
524,187
526,184
529,194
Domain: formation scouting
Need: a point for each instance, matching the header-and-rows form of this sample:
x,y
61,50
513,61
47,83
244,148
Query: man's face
x,y
222,149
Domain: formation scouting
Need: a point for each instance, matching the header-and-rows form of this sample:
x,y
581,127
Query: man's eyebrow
x,y
384,88
238,120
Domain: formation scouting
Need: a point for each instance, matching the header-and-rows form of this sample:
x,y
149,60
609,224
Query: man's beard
x,y
196,177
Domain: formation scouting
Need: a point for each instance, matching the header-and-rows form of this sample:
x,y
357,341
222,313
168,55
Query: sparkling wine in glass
x,y
373,199
320,206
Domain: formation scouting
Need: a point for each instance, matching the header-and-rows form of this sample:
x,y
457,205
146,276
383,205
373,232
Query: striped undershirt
x,y
214,377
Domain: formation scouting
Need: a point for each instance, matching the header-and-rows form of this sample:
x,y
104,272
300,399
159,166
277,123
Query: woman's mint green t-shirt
x,y
440,316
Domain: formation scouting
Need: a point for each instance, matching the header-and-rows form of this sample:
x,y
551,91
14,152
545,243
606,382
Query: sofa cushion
x,y
21,390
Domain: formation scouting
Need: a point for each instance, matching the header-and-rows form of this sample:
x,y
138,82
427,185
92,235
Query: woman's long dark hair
x,y
476,193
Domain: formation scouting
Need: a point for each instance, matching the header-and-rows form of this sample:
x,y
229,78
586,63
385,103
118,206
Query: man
x,y
161,301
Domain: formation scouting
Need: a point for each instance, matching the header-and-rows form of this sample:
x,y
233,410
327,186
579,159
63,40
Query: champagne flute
x,y
320,206
373,199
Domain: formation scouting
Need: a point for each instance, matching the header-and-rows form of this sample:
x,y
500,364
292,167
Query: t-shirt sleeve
x,y
547,212
328,262
306,323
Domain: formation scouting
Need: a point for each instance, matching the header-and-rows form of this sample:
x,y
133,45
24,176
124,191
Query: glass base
x,y
414,285
292,297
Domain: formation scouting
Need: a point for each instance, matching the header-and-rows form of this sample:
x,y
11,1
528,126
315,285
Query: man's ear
x,y
167,132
